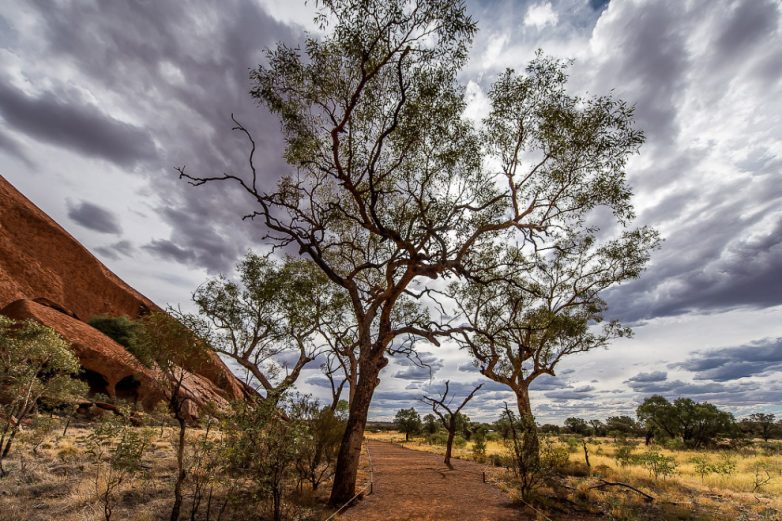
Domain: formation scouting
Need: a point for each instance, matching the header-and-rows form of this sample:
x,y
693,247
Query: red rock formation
x,y
41,261
109,368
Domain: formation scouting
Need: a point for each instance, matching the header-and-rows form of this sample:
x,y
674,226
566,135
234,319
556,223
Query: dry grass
x,y
62,482
682,496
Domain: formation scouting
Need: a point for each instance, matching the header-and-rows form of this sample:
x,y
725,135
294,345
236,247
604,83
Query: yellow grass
x,y
684,490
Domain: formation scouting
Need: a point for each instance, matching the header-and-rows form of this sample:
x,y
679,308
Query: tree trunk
x,y
180,478
344,487
449,446
530,443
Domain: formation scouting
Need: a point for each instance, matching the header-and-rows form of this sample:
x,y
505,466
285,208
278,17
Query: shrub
x,y
122,330
657,464
704,467
479,444
624,452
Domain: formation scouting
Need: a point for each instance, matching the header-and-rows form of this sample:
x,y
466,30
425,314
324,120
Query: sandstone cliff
x,y
47,275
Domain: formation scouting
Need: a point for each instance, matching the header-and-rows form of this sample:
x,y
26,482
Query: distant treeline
x,y
683,422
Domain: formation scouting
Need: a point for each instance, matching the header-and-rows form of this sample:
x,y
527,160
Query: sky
x,y
99,101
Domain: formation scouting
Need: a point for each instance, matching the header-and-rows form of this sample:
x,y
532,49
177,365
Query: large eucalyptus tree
x,y
394,187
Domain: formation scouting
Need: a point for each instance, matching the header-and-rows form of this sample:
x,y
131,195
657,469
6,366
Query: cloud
x,y
578,393
422,368
165,249
758,358
62,119
182,70
117,249
94,217
654,376
540,15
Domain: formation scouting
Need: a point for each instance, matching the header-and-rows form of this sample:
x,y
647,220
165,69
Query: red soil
x,y
413,485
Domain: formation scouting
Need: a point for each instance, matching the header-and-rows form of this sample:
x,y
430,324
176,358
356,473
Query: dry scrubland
x,y
682,495
63,481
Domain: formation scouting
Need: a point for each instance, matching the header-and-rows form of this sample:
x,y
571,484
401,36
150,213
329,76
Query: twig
x,y
605,483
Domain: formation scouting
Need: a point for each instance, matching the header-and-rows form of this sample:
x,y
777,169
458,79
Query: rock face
x,y
39,259
47,275
109,369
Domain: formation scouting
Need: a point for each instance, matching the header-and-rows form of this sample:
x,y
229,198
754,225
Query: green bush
x,y
122,330
624,452
657,464
479,444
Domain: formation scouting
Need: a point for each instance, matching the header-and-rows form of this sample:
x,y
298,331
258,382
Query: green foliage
x,y
695,424
270,308
657,464
532,461
408,421
37,367
121,329
438,438
263,446
430,424
624,452
39,431
117,451
762,424
323,430
617,426
479,444
704,466
578,426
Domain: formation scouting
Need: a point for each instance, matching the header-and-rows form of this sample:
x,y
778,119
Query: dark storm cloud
x,y
758,358
719,254
598,5
183,68
62,119
698,271
117,249
654,376
165,249
94,217
746,24
653,64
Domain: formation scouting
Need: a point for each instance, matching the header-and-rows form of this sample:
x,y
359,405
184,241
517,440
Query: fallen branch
x,y
605,483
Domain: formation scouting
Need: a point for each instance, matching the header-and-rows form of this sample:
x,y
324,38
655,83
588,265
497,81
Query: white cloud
x,y
541,15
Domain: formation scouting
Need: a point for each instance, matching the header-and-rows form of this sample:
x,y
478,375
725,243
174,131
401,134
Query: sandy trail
x,y
415,485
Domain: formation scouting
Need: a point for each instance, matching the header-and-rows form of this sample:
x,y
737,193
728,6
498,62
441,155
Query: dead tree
x,y
448,417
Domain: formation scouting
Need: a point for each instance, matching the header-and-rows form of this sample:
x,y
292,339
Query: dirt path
x,y
414,485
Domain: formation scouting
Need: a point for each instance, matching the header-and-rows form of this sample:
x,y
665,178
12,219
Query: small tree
x,y
117,450
618,426
322,430
430,424
408,421
272,309
531,469
764,424
577,426
263,445
448,417
36,366
167,344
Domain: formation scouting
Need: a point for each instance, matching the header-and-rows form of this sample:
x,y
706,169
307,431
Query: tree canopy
x,y
391,187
